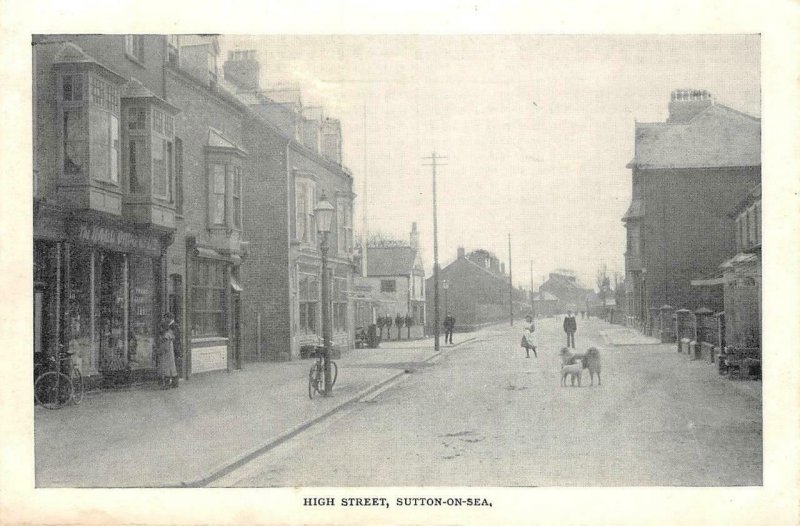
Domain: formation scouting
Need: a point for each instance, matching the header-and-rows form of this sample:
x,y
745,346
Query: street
x,y
485,415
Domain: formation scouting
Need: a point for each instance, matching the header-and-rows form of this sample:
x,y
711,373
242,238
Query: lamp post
x,y
445,286
323,214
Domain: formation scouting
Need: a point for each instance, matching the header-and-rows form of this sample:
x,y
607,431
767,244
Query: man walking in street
x,y
449,324
570,326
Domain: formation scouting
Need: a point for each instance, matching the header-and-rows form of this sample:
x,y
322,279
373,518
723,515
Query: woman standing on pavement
x,y
166,353
529,337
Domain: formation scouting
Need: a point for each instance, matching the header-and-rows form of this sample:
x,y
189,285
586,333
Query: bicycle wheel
x,y
313,380
77,386
53,390
334,373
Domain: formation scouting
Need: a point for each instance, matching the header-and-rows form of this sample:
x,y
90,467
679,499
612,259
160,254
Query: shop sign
x,y
119,239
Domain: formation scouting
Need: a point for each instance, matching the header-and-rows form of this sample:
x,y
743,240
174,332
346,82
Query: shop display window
x,y
110,311
80,309
142,333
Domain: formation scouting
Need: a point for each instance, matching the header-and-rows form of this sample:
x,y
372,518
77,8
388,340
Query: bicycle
x,y
54,389
316,375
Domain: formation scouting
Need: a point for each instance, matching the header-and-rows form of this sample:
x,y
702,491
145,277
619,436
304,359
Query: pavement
x,y
617,335
211,424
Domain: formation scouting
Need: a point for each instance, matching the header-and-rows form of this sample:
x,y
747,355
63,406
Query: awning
x,y
209,253
235,285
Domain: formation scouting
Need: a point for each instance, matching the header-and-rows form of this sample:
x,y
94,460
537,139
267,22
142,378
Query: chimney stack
x,y
461,253
413,238
685,104
242,69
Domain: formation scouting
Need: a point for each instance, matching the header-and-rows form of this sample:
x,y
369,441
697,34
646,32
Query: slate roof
x,y
716,137
390,261
636,210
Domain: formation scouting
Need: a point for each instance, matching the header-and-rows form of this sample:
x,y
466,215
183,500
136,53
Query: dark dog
x,y
592,362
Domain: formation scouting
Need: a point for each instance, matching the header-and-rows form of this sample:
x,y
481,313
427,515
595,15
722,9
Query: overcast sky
x,y
537,130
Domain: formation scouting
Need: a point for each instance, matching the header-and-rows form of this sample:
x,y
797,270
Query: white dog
x,y
575,370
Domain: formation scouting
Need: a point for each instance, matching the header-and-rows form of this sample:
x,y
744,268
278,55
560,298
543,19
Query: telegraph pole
x,y
433,158
510,284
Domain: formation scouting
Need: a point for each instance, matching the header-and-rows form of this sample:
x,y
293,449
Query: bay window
x,y
89,126
148,137
224,183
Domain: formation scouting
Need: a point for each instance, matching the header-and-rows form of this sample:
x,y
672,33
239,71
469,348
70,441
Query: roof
x,y
716,137
390,261
544,296
636,210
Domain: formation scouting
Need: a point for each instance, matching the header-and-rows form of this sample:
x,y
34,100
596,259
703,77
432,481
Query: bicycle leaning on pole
x,y
54,389
316,376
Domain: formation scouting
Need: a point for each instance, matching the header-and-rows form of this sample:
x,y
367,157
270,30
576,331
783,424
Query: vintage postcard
x,y
348,276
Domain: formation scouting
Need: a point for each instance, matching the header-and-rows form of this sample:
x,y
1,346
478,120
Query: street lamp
x,y
445,286
323,214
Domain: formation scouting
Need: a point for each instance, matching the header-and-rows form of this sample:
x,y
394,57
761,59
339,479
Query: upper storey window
x,y
305,193
89,110
134,47
149,129
225,180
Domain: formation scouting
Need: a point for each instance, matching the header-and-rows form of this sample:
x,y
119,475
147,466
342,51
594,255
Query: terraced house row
x,y
164,184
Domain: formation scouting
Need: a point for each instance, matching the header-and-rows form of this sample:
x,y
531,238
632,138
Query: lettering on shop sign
x,y
118,238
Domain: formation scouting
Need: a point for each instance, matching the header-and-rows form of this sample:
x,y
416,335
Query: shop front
x,y
99,292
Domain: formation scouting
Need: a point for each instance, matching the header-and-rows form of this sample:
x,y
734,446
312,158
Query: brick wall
x,y
265,272
687,232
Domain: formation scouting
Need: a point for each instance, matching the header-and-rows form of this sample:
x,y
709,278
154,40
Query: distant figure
x,y
528,341
449,325
570,326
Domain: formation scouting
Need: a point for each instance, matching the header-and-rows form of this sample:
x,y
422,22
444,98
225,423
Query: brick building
x,y
477,293
738,278
565,287
150,176
294,161
687,174
137,201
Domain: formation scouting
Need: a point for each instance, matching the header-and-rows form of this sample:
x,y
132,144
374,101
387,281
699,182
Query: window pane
x,y
114,149
300,211
67,87
179,176
133,181
169,171
159,167
100,145
76,151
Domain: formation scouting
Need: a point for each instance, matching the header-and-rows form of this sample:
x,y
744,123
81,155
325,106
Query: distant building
x,y
397,277
687,174
545,304
477,291
565,287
